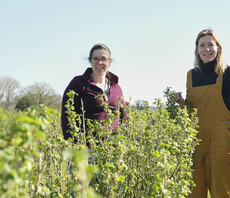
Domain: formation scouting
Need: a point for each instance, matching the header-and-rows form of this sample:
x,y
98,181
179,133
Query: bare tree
x,y
43,93
8,91
140,104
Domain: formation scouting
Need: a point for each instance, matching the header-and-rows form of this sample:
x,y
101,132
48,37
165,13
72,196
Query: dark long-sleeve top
x,y
86,89
205,75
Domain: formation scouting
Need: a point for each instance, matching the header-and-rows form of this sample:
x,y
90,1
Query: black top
x,y
205,75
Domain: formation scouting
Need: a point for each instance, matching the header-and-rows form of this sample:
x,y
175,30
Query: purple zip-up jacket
x,y
87,90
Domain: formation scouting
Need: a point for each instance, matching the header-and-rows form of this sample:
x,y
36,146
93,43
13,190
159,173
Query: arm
x,y
122,109
73,85
179,100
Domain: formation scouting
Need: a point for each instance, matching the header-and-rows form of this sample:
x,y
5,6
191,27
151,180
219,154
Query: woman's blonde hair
x,y
220,66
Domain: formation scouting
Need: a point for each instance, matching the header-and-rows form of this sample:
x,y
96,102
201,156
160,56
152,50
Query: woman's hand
x,y
179,99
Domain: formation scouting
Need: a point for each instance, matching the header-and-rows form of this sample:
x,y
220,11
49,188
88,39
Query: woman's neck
x,y
100,81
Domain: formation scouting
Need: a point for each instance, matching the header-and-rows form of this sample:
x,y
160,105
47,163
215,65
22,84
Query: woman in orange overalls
x,y
208,90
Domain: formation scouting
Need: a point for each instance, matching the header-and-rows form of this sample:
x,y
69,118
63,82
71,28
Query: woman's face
x,y
207,48
100,61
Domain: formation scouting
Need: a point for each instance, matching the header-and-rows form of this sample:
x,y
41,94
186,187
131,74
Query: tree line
x,y
14,97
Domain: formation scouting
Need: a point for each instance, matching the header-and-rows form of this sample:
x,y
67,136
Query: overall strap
x,y
189,79
219,79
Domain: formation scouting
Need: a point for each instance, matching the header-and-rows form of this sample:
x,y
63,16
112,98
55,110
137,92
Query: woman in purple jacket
x,y
96,80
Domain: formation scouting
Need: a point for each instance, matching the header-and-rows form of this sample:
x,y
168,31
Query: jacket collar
x,y
112,77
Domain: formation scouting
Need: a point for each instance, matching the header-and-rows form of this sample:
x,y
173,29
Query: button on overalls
x,y
212,155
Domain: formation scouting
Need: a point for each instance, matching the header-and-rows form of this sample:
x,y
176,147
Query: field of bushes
x,y
149,154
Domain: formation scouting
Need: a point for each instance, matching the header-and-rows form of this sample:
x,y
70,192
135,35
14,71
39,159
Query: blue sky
x,y
152,42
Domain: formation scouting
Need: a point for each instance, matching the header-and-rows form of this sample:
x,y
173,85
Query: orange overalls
x,y
212,155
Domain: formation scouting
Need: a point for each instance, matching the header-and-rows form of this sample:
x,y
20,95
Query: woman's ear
x,y
218,48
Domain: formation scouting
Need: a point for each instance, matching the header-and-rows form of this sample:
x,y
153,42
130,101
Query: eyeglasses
x,y
96,60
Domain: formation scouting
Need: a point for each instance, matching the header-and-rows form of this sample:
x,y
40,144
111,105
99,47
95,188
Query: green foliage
x,y
149,154
171,107
25,102
18,135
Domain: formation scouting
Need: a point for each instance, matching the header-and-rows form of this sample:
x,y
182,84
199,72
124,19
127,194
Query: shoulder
x,y
116,90
76,80
196,70
75,84
114,81
194,74
80,79
226,76
227,71
193,71
190,72
117,86
112,77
